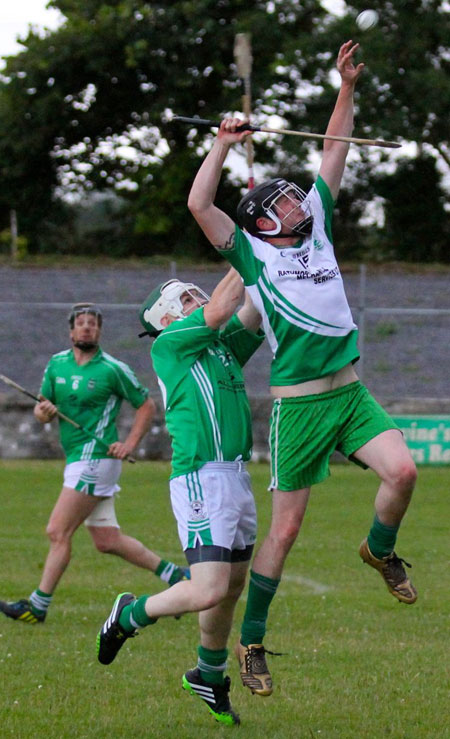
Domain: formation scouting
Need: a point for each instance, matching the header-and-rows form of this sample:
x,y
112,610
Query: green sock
x,y
260,595
40,601
212,664
134,615
382,538
169,572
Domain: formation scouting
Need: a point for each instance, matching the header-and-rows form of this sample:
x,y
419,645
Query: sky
x,y
16,16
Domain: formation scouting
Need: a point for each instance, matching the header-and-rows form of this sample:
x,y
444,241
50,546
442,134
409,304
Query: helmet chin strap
x,y
279,236
276,232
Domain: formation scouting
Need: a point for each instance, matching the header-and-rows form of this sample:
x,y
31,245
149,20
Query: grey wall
x,y
22,437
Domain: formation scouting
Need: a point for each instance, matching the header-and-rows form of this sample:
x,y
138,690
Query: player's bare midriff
x,y
342,377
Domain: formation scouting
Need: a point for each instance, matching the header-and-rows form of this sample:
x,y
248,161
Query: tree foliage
x,y
87,107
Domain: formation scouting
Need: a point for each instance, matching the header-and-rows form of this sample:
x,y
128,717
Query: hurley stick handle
x,y
11,383
289,132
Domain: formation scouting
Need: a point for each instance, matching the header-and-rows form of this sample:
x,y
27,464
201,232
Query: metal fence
x,y
363,310
403,324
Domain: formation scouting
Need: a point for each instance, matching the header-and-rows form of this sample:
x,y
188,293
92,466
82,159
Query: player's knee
x,y
285,534
106,539
104,547
105,544
235,589
404,477
211,596
210,600
56,535
410,475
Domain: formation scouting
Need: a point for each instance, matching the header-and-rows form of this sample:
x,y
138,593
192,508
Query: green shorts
x,y
305,431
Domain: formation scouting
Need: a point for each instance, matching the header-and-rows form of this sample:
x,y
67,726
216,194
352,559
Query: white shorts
x,y
215,509
99,478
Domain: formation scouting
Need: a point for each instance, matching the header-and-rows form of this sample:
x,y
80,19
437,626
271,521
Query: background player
x,y
89,385
283,250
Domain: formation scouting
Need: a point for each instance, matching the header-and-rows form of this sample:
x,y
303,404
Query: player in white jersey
x,y
282,247
88,385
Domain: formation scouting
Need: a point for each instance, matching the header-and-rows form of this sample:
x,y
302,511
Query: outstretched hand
x,y
345,63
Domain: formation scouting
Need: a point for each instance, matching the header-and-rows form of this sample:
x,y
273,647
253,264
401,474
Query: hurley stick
x,y
244,60
288,132
21,389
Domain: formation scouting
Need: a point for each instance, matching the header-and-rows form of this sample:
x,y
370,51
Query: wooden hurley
x,y
289,132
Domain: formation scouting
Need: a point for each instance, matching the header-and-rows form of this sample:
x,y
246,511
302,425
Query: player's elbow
x,y
202,209
147,410
215,316
194,204
219,312
150,407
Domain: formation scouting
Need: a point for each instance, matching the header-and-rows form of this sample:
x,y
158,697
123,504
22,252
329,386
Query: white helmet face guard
x,y
169,301
293,201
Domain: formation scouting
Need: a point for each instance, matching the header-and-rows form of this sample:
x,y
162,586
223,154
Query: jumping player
x,y
282,247
89,385
208,417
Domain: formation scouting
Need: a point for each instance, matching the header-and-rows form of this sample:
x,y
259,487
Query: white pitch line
x,y
317,588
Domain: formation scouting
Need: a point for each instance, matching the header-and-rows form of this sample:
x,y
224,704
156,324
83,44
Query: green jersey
x,y
90,394
200,376
299,292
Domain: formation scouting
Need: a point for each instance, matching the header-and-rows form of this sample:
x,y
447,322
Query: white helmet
x,y
166,299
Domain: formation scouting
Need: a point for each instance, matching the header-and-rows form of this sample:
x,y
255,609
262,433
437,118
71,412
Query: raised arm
x,y
224,300
217,226
341,121
248,315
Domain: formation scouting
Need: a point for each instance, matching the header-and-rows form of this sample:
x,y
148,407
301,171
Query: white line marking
x,y
317,588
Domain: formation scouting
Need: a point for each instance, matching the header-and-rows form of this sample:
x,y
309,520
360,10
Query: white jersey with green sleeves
x,y
200,376
90,394
300,294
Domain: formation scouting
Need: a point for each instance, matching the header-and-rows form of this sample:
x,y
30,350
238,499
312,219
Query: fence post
x,y
13,227
173,269
362,318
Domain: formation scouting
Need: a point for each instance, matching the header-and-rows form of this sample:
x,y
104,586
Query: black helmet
x,y
260,202
80,308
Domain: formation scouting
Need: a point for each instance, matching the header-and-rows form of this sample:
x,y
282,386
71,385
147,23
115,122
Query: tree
x,y
86,106
417,226
404,94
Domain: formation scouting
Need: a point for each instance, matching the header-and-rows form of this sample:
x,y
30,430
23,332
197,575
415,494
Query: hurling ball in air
x,y
367,19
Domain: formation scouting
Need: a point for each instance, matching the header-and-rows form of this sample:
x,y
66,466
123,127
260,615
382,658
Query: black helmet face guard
x,y
79,308
279,200
287,206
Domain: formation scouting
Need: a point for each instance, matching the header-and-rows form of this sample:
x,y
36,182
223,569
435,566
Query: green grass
x,y
355,662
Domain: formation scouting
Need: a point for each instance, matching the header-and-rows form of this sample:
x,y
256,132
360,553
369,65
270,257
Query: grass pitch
x,y
355,662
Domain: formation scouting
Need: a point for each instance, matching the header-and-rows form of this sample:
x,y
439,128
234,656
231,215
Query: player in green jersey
x,y
208,417
282,247
88,385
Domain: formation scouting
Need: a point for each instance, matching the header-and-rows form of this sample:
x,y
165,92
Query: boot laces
x,y
394,570
255,659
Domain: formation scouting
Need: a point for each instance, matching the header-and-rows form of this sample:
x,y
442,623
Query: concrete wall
x,y
22,437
